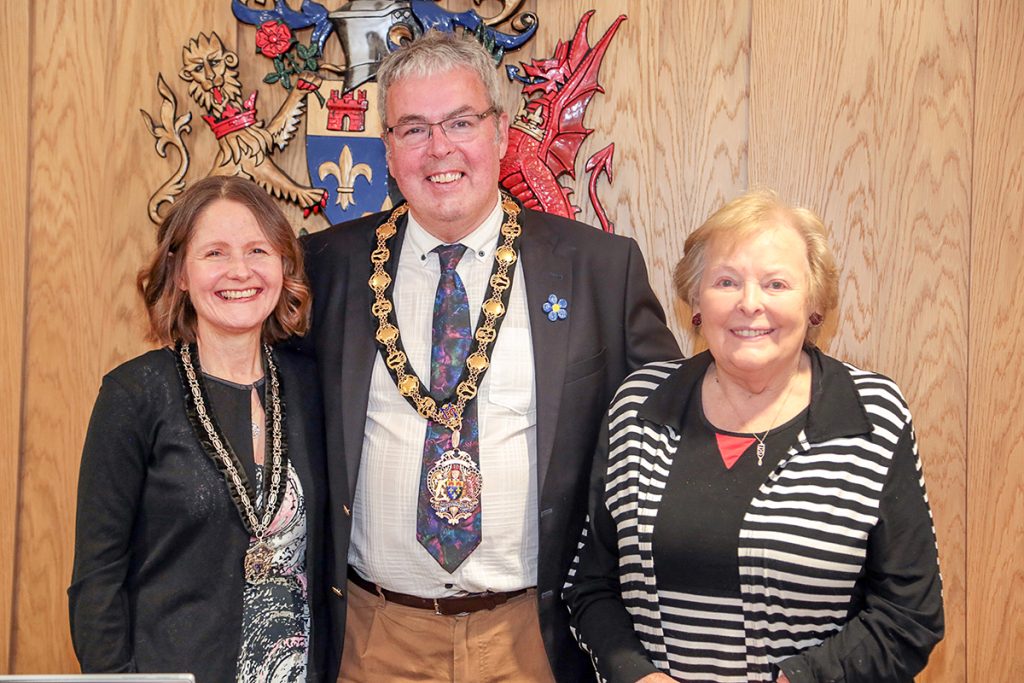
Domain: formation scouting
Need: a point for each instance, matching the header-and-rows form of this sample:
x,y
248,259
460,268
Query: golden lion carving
x,y
245,144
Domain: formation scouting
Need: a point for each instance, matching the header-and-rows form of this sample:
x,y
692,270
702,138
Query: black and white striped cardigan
x,y
828,584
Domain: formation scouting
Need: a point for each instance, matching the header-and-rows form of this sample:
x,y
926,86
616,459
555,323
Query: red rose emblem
x,y
273,39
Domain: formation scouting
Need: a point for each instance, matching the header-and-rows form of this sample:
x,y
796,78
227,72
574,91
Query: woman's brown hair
x,y
171,315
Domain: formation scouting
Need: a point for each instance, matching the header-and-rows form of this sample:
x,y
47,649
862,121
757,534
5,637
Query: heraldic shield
x,y
344,151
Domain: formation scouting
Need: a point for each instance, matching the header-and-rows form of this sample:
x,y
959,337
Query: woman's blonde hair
x,y
742,218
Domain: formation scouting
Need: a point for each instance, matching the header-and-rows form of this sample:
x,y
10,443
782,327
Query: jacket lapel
x,y
546,273
359,349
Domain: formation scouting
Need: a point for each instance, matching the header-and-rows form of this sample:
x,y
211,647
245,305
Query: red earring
x,y
696,320
816,319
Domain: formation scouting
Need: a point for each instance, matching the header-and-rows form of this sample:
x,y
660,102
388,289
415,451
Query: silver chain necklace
x,y
260,555
760,451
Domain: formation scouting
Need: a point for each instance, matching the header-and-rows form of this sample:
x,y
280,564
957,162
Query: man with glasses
x,y
468,348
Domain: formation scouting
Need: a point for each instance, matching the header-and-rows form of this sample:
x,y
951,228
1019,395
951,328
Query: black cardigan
x,y
157,583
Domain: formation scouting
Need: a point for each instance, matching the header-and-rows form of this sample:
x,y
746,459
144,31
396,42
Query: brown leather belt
x,y
444,606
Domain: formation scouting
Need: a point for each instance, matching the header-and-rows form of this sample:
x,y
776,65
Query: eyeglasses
x,y
460,128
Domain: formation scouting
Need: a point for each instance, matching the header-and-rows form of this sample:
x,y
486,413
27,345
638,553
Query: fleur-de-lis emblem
x,y
346,173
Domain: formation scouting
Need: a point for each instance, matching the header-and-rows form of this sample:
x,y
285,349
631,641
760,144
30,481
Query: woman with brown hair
x,y
200,494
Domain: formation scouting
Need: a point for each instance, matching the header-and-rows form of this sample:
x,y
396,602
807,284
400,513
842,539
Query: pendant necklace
x,y
760,439
447,410
760,451
259,556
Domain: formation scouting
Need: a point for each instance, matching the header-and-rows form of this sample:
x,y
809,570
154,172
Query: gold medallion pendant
x,y
454,483
258,560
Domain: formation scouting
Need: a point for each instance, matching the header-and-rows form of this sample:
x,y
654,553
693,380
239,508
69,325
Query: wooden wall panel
x,y
863,112
676,108
93,65
15,38
995,474
63,349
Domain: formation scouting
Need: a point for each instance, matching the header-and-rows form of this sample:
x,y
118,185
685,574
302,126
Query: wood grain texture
x,y
69,81
863,112
14,180
93,67
995,437
676,107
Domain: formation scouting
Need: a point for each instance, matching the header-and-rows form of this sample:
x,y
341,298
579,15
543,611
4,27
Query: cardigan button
x,y
337,591
346,510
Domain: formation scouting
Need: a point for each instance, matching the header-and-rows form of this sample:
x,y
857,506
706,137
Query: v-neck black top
x,y
698,526
232,408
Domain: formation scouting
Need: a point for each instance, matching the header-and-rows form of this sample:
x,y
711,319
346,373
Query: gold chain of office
x,y
492,309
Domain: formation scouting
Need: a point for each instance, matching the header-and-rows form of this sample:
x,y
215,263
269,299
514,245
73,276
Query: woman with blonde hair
x,y
758,511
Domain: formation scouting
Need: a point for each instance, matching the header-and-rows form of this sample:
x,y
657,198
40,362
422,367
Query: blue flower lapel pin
x,y
557,309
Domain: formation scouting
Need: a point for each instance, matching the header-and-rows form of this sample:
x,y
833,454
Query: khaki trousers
x,y
385,642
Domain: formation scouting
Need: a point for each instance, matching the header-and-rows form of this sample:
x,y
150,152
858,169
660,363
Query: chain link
x,y
259,528
409,384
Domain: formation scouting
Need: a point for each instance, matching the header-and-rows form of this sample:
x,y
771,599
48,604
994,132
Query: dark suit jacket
x,y
158,579
615,324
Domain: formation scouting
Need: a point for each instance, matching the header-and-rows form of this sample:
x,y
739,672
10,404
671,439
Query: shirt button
x,y
337,591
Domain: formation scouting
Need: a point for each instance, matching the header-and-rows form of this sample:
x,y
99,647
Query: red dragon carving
x,y
546,135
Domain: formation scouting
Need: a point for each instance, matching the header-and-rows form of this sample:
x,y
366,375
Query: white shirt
x,y
384,548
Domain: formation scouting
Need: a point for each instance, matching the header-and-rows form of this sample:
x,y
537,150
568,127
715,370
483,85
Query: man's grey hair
x,y
435,52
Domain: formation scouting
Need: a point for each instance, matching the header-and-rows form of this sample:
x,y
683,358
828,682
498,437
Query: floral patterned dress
x,y
275,614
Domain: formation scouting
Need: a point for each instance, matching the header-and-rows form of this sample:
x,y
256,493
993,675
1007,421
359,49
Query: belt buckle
x,y
438,612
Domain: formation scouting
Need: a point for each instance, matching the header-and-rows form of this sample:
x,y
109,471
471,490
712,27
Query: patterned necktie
x,y
448,513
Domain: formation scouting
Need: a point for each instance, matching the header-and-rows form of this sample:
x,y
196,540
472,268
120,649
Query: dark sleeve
x,y
110,481
901,619
648,339
598,616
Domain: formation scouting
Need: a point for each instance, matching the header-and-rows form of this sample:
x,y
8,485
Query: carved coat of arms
x,y
345,154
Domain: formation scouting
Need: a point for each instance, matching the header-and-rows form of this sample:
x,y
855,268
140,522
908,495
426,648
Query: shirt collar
x,y
480,244
835,409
